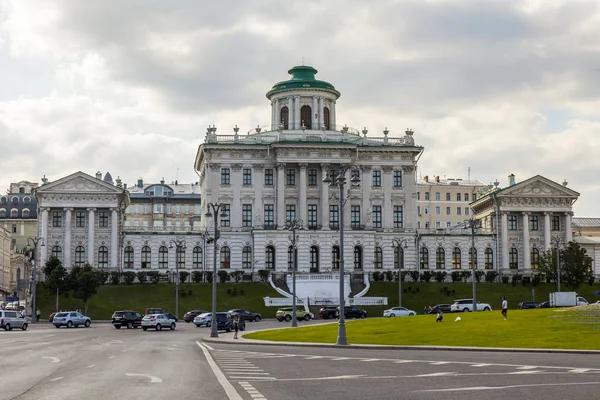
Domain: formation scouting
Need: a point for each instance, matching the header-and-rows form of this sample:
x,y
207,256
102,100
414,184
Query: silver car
x,y
158,321
12,319
71,319
202,319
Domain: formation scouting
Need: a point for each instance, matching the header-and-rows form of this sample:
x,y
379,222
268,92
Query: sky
x,y
497,87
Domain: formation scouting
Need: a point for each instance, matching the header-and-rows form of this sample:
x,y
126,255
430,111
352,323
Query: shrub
x,y
516,278
183,275
237,275
377,277
455,275
153,276
591,280
536,279
426,276
264,275
491,276
526,280
414,275
115,278
402,275
389,275
440,276
209,276
128,277
465,275
479,275
197,276
103,277
505,279
142,276
223,275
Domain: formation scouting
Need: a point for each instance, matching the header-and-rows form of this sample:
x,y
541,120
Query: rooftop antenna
x,y
302,60
177,175
469,175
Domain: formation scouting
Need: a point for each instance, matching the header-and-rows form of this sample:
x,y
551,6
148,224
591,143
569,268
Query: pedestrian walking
x,y
440,316
505,308
38,314
236,323
24,313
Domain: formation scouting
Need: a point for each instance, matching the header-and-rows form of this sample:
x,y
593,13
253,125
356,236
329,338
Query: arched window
x,y
25,213
325,118
456,259
306,117
335,257
513,258
14,213
128,257
57,252
79,256
291,259
314,259
180,254
424,257
358,257
2,213
535,258
378,258
285,117
15,200
440,258
472,257
398,258
146,257
197,257
247,257
163,257
489,259
26,200
270,257
225,257
103,257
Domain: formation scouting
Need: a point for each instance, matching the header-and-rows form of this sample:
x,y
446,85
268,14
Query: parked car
x,y
351,312
153,310
446,308
328,312
71,319
466,305
202,319
526,305
130,319
545,304
225,323
190,315
581,301
158,321
285,314
245,314
51,317
10,319
399,312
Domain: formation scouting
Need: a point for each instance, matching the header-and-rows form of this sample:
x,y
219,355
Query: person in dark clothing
x,y
440,316
236,324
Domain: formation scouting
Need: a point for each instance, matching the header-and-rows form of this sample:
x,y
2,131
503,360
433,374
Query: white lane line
x,y
251,390
111,357
249,373
531,371
480,365
402,361
527,367
153,379
371,360
579,370
437,374
91,366
230,391
240,368
440,363
313,357
340,358
474,388
54,359
56,379
255,378
208,347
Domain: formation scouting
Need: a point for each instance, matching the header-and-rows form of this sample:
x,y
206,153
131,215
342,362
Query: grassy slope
x,y
544,328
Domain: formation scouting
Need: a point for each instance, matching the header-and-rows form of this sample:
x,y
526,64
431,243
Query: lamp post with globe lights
x,y
215,210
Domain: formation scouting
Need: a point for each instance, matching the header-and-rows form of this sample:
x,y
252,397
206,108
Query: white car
x,y
157,321
71,319
202,319
399,312
466,305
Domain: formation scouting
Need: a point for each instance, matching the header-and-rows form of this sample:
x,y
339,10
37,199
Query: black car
x,y
155,310
190,315
545,304
245,314
444,307
328,312
526,305
225,323
129,318
352,312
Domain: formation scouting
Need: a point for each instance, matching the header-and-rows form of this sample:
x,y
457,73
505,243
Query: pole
x,y
294,318
177,247
341,339
473,259
213,325
558,264
399,279
57,299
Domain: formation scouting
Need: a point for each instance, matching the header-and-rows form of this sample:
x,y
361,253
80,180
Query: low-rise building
x,y
18,213
5,241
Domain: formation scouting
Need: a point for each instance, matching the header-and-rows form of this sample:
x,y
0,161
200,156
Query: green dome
x,y
303,77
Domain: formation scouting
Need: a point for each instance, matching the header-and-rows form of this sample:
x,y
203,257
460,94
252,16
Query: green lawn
x,y
138,297
542,328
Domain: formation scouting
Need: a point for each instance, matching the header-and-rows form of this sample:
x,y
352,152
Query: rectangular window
x,y
355,216
448,224
419,211
312,216
377,178
556,223
103,219
426,195
458,211
447,210
438,196
438,224
290,212
290,177
247,176
269,177
512,222
225,176
458,197
466,196
466,210
376,217
157,208
80,219
418,195
56,219
246,215
474,197
398,217
426,210
312,177
533,223
226,218
447,196
269,215
334,217
136,209
438,210
397,178
170,209
197,209
187,208
177,209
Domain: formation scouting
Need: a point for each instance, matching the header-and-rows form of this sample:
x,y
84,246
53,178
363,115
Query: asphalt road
x,y
104,363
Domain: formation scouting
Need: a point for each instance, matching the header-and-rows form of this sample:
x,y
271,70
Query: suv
x,y
154,310
71,319
12,319
157,321
245,314
225,323
128,318
466,305
328,312
351,312
525,305
286,314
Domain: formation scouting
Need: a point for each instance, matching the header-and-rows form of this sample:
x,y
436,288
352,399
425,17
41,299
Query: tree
x,y
85,281
197,276
128,277
237,275
574,264
142,276
183,275
57,277
223,275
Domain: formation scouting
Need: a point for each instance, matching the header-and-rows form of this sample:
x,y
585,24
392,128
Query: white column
x,y
280,196
321,120
315,114
44,249
91,234
297,112
324,198
568,228
67,250
290,120
277,115
332,116
546,231
302,194
504,223
526,249
114,251
273,116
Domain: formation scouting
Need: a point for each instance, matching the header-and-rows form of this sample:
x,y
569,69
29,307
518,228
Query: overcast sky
x,y
498,86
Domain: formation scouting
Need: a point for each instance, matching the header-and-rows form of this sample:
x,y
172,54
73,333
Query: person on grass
x,y
505,308
440,316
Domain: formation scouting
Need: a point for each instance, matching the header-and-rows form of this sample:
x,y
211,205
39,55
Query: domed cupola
x,y
303,102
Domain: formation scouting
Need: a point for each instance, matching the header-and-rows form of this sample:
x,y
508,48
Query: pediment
x,y
538,186
79,182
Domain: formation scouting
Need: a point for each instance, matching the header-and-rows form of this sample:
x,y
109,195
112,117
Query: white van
x,y
12,319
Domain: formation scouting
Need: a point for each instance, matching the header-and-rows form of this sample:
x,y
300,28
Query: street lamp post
x,y
557,240
400,244
472,224
179,245
293,225
340,181
215,210
34,241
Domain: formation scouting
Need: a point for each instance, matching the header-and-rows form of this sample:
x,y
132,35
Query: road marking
x,y
254,378
230,391
207,346
251,390
438,374
531,371
473,388
111,357
403,361
313,357
56,379
153,379
240,368
371,359
340,358
440,363
579,370
480,365
91,366
527,367
54,359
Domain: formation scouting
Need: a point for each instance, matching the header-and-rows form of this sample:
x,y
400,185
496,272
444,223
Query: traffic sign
x,y
598,293
12,298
